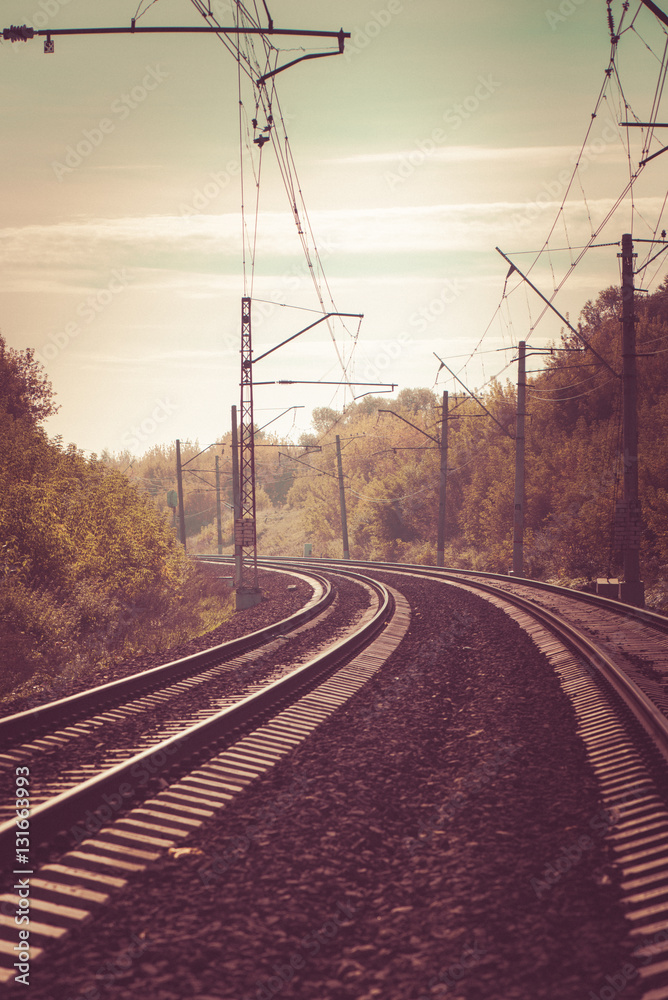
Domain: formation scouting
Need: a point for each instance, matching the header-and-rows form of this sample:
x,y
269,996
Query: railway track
x,y
142,797
70,740
612,663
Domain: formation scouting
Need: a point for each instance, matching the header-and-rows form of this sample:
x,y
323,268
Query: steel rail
x,y
34,721
648,715
653,618
69,808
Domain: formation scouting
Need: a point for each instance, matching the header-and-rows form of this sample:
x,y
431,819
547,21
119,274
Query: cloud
x,y
204,242
466,154
522,156
140,363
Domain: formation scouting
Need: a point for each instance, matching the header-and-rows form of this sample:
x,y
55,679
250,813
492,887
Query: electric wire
x,y
561,214
563,399
405,496
267,99
137,12
234,50
571,385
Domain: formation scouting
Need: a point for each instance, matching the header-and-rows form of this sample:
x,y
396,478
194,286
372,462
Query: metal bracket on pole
x,y
513,267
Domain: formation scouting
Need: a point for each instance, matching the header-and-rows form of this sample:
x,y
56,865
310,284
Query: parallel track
x,y
177,785
97,729
621,721
31,723
595,645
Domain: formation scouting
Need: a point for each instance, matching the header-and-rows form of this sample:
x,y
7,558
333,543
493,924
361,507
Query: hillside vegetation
x,y
573,467
90,571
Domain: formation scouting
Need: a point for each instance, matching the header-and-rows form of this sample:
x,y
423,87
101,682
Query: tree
x,y
323,418
86,560
25,391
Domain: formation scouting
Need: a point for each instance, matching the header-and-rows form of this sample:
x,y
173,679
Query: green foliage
x,y
25,391
90,571
573,464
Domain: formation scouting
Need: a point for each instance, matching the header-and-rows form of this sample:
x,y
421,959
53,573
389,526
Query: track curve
x,y
180,782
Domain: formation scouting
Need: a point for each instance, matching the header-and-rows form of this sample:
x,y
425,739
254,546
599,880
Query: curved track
x,y
74,738
611,661
30,724
179,782
627,645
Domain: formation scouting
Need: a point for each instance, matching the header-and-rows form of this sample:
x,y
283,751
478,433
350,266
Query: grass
x,y
40,661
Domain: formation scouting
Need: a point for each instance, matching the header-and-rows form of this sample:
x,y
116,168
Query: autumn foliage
x,y
391,469
573,464
89,569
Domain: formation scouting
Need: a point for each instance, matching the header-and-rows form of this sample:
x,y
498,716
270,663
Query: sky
x,y
443,131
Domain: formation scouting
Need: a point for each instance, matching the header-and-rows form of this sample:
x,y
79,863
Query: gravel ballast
x,y
52,765
399,853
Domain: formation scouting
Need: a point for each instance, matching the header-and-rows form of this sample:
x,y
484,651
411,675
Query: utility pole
x,y
440,542
179,489
236,502
443,448
218,512
342,497
248,593
245,527
518,512
628,514
245,533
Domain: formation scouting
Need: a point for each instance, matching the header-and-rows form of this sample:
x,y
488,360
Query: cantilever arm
x,y
313,55
478,401
514,267
656,10
309,327
430,436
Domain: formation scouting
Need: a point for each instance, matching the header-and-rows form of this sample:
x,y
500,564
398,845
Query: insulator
x,y
611,23
18,33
